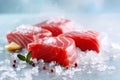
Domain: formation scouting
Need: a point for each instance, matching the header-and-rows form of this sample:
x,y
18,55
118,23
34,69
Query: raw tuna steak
x,y
57,26
59,49
25,34
85,40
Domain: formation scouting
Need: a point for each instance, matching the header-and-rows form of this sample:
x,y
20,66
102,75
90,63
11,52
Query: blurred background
x,y
63,6
99,15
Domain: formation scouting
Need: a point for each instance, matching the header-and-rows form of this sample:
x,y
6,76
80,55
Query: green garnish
x,y
21,57
27,58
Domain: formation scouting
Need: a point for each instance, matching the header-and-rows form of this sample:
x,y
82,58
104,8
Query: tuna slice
x,y
59,49
25,34
57,26
85,40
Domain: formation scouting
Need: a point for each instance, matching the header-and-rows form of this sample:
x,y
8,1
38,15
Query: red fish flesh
x,y
59,49
25,34
85,40
57,26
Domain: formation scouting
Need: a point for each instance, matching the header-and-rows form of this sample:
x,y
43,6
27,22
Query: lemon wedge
x,y
13,46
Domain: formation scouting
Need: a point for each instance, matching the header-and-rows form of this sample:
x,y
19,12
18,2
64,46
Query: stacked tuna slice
x,y
25,34
57,26
55,40
59,49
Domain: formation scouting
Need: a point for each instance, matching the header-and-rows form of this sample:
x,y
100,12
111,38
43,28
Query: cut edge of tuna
x,y
85,40
57,25
59,49
25,34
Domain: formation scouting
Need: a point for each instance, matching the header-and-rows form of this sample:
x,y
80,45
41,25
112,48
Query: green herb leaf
x,y
21,57
28,56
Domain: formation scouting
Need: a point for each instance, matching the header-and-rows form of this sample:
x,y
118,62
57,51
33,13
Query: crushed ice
x,y
56,20
88,63
49,40
27,29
